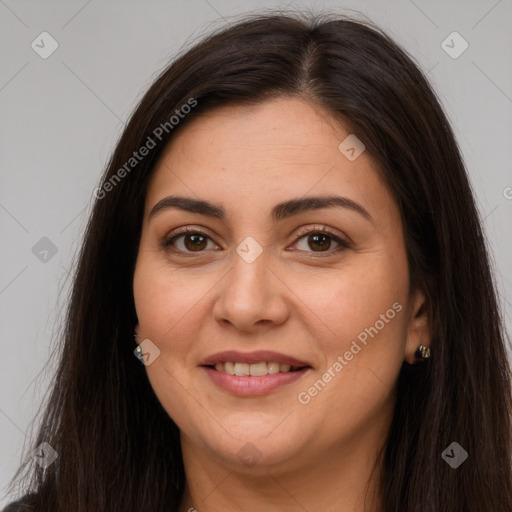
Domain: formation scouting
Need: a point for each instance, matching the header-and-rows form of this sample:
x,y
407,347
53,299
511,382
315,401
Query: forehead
x,y
258,154
287,128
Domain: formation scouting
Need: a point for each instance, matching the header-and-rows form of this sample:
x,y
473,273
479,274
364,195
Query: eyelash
x,y
167,242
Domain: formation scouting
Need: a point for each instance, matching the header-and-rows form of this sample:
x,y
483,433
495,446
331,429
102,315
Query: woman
x,y
287,240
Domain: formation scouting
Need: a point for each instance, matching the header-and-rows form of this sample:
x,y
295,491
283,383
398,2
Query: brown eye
x,y
194,242
187,241
320,241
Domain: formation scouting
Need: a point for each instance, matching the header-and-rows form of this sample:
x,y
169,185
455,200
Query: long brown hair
x,y
119,450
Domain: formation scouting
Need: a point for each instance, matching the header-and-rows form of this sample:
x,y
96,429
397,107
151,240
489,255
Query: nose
x,y
251,296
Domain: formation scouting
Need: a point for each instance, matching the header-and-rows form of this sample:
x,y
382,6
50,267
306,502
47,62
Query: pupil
x,y
317,237
195,244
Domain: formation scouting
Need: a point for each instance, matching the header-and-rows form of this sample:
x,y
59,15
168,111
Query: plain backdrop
x,y
61,116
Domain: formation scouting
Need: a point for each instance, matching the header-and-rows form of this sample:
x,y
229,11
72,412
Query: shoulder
x,y
25,504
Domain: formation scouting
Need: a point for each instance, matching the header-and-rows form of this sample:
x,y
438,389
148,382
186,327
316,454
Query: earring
x,y
423,352
138,349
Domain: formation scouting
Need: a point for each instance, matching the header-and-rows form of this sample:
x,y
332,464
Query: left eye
x,y
197,241
322,240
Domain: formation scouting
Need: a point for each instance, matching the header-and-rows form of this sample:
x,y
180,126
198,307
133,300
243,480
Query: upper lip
x,y
258,356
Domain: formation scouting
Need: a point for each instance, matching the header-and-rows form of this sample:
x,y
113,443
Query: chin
x,y
252,447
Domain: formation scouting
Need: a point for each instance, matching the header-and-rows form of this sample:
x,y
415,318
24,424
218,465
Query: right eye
x,y
190,241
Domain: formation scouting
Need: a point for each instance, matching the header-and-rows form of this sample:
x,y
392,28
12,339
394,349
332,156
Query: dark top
x,y
25,504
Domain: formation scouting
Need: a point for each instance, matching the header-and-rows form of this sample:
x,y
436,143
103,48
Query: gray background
x,y
62,115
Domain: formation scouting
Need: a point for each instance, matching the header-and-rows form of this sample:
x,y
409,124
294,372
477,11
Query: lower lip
x,y
250,385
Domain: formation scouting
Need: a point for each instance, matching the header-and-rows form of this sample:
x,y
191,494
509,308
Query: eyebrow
x,y
279,211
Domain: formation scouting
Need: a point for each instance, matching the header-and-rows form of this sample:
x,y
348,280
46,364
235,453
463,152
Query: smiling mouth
x,y
254,370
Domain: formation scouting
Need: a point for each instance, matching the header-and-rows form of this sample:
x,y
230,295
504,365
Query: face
x,y
280,326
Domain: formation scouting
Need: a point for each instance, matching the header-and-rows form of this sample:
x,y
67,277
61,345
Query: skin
x,y
318,455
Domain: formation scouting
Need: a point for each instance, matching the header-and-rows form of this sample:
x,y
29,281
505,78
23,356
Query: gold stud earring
x,y
423,352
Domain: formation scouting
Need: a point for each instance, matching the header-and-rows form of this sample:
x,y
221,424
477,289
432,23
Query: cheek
x,y
362,313
354,298
164,307
363,347
164,299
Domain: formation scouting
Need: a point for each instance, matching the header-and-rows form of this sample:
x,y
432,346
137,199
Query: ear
x,y
136,333
418,328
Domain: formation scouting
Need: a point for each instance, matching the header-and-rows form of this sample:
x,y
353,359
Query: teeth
x,y
242,369
273,368
229,368
255,370
258,369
